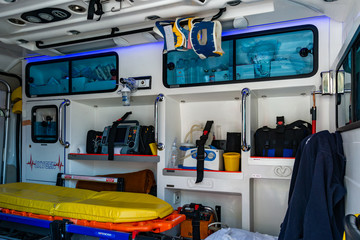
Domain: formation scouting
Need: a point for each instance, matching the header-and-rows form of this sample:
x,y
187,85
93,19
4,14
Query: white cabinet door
x,y
44,144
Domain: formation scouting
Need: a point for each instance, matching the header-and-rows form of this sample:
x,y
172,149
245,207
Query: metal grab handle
x,y
244,93
159,98
6,114
62,119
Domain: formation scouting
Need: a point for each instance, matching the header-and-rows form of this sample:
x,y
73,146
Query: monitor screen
x,y
120,135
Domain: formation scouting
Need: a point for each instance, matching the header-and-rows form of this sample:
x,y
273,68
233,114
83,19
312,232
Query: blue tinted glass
x,y
186,68
44,124
357,82
275,55
344,77
94,74
52,78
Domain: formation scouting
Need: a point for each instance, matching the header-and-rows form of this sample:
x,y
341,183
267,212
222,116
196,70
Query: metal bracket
x,y
328,85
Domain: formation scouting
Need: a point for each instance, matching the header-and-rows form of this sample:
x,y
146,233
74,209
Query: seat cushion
x,y
116,207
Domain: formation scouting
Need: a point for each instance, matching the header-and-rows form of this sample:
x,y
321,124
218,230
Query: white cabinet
x,y
261,188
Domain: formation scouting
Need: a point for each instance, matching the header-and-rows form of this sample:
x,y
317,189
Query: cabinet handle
x,y
159,98
244,93
62,120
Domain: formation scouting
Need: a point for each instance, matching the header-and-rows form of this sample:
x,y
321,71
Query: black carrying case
x,y
282,141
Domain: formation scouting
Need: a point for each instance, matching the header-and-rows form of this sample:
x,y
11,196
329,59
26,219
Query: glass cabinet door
x,y
276,55
84,74
186,68
44,124
94,74
343,105
268,55
48,79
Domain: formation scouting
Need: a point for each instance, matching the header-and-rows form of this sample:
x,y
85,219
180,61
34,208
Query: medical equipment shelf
x,y
117,157
207,173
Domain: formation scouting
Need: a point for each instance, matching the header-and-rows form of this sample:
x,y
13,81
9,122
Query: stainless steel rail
x,y
6,113
159,98
62,120
244,94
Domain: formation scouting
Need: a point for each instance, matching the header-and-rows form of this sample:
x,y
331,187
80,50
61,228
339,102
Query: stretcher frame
x,y
60,227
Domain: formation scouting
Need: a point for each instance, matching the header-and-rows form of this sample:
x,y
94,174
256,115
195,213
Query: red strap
x,y
134,234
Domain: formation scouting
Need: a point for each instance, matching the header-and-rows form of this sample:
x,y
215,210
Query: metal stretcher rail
x,y
119,181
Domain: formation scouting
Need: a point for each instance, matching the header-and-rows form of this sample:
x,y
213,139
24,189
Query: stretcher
x,y
107,215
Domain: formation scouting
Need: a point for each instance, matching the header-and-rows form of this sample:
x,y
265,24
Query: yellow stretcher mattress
x,y
115,207
90,205
38,198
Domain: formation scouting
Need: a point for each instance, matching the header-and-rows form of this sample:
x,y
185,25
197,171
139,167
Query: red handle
x,y
313,126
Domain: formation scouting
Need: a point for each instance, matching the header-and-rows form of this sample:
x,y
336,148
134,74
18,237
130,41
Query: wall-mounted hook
x,y
113,9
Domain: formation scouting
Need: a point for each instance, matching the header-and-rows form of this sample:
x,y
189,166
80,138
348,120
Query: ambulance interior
x,y
71,66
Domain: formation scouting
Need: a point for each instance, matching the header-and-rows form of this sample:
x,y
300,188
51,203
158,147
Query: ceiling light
x,y
77,8
33,19
121,42
9,1
16,21
240,23
46,16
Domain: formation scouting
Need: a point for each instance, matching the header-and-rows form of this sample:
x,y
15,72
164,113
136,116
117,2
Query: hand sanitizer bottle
x,y
125,96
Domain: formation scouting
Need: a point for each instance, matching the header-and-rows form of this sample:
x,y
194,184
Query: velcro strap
x,y
201,152
112,135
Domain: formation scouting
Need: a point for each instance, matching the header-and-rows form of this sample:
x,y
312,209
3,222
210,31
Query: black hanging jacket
x,y
316,197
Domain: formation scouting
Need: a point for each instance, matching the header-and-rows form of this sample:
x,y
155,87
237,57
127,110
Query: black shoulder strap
x,y
201,152
91,11
300,124
112,135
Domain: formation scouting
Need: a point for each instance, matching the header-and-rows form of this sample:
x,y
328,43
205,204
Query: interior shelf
x,y
117,157
207,173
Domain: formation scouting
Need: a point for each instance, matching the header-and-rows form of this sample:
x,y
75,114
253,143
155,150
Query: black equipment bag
x,y
147,136
282,141
93,142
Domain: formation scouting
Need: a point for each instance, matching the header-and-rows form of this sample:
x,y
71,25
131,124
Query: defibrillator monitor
x,y
126,138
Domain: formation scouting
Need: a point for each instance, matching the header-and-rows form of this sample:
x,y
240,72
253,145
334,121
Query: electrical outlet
x,y
143,82
177,197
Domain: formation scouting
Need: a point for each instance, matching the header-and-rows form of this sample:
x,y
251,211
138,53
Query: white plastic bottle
x,y
173,156
125,96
